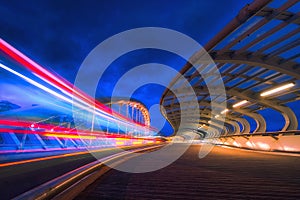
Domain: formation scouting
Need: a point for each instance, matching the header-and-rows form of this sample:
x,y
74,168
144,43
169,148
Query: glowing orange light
x,y
136,142
119,143
70,136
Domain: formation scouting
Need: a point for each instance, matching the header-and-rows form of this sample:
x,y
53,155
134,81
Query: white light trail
x,y
64,98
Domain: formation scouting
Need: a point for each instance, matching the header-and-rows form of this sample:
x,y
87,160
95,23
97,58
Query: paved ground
x,y
20,178
224,174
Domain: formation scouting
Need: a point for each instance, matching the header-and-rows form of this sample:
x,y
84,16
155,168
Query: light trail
x,y
61,132
60,83
67,155
44,88
68,136
64,98
66,92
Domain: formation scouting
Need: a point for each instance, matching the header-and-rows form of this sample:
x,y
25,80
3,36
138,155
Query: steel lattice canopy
x,y
256,52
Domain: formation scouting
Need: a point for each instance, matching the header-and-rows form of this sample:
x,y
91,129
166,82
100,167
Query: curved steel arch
x,y
206,118
259,119
235,126
281,65
214,127
238,52
245,124
291,122
134,104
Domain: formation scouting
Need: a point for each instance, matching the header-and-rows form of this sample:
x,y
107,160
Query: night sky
x,y
60,34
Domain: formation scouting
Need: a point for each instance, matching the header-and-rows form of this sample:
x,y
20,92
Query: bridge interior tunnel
x,y
256,59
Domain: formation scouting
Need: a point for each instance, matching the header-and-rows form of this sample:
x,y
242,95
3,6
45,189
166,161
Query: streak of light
x,y
51,130
64,98
58,82
67,136
137,142
55,157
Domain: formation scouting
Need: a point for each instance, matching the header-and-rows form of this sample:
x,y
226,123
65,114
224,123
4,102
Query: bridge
x,y
57,142
256,56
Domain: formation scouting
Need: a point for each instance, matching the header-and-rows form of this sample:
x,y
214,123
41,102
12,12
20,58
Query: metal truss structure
x,y
132,109
58,132
257,51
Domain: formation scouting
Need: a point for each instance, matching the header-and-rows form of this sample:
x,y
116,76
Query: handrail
x,y
274,133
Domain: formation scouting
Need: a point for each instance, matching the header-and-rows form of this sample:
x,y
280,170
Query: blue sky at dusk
x,y
60,34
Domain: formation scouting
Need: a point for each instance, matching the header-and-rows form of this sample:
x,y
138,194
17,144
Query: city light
x,y
240,103
277,89
88,108
224,111
61,84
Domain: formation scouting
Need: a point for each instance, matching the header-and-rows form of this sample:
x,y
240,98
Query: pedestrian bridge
x,y
246,113
256,57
